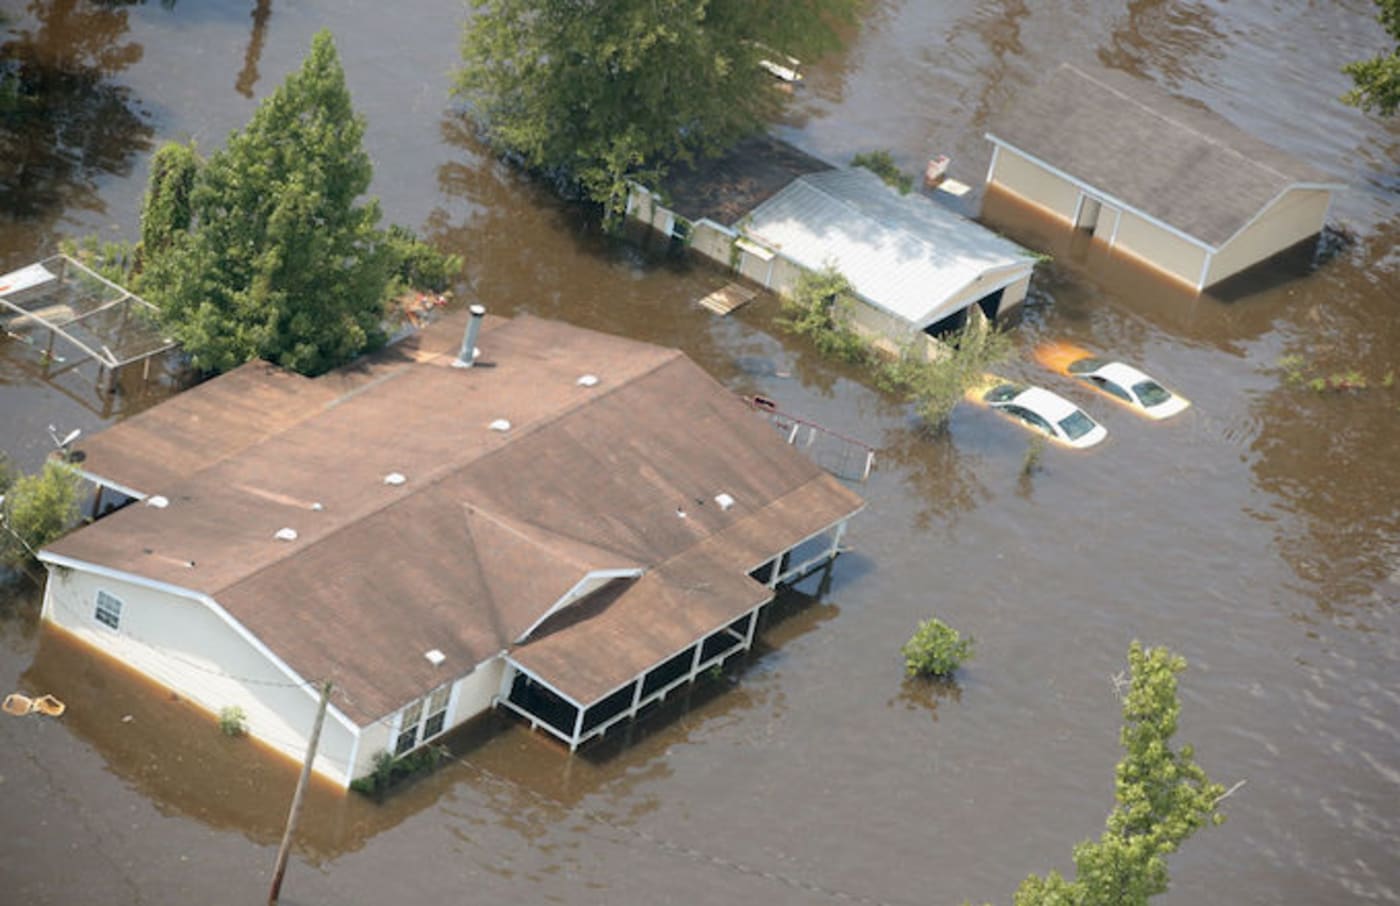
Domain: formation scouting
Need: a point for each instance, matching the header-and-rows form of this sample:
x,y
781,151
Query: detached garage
x,y
1153,177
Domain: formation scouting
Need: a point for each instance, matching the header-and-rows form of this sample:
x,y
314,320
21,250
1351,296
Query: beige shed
x,y
1154,177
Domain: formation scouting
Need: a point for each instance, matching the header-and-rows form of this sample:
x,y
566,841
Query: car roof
x,y
1044,403
1120,373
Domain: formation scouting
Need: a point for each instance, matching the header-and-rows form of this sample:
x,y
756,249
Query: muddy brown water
x,y
1258,534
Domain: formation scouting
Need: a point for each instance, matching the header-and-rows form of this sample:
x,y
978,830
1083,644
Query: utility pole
x,y
285,849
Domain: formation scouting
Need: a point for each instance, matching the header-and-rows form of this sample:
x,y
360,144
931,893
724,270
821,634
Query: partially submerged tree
x,y
598,92
265,250
1162,797
1377,80
882,164
820,308
936,385
37,509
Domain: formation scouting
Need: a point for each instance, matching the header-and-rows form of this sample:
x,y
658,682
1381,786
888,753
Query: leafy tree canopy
x,y
37,509
599,91
1377,80
263,251
1163,797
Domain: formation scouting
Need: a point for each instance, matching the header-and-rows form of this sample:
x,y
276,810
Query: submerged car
x,y
1117,380
1039,409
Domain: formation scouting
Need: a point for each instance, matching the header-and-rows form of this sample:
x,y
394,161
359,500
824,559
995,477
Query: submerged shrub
x,y
820,308
935,649
233,720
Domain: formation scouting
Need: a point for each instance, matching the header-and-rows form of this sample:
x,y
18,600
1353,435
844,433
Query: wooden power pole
x,y
285,849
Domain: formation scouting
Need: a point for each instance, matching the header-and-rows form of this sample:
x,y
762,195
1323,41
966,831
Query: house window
x,y
109,609
422,720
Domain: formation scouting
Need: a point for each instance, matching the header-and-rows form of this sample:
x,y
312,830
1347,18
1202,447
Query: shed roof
x,y
490,529
902,253
1127,139
724,188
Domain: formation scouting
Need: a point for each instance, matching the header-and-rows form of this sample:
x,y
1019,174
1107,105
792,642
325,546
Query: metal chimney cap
x,y
478,310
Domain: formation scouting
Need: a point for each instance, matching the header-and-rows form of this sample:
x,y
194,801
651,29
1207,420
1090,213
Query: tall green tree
x,y
600,91
281,259
1162,797
1377,80
36,510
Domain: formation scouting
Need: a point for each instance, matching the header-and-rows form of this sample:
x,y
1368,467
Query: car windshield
x,y
1076,425
1003,392
1151,393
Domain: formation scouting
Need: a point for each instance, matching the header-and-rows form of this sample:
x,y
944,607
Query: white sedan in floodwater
x,y
1039,409
1119,381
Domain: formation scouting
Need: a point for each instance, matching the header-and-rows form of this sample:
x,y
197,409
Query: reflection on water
x,y
1163,37
248,75
70,124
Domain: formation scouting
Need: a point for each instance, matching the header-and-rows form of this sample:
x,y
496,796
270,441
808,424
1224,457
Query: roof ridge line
x,y
895,228
1187,126
442,475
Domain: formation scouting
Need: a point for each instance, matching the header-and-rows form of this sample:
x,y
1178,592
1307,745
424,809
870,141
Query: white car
x,y
1049,413
1127,385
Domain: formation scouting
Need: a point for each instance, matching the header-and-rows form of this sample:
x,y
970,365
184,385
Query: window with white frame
x,y
109,610
423,720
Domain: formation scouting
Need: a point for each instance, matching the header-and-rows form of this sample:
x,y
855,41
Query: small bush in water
x,y
936,649
233,721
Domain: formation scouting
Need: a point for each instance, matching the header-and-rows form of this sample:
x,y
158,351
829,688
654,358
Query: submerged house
x,y
1153,177
568,530
770,213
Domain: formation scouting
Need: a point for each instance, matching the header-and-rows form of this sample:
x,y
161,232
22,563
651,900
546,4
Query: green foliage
x,y
1297,373
419,265
882,164
233,720
1162,795
1376,81
8,473
935,386
935,649
167,211
116,261
387,771
596,93
279,261
820,309
37,509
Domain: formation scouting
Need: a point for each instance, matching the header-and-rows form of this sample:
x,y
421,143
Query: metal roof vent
x,y
317,507
500,424
435,657
394,478
286,534
588,380
724,500
158,502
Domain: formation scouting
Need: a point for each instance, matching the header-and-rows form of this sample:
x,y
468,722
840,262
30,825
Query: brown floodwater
x,y
1258,533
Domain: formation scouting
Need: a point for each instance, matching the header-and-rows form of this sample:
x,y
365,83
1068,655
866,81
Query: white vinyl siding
x,y
184,645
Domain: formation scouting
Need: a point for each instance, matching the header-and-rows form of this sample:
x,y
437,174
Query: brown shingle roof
x,y
1181,164
725,188
490,529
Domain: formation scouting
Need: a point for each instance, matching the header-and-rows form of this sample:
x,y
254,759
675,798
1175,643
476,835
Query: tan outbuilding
x,y
1153,177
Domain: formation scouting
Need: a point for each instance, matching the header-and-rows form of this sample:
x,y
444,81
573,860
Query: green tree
x,y
1377,80
935,649
596,92
280,261
936,385
820,308
882,164
1162,798
37,509
166,212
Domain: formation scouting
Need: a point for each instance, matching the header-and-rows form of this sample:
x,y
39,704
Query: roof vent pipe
x,y
466,357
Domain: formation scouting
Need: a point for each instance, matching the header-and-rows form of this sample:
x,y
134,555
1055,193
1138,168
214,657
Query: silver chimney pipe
x,y
466,358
